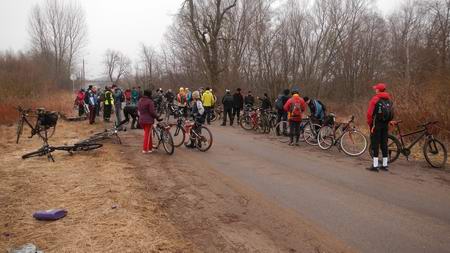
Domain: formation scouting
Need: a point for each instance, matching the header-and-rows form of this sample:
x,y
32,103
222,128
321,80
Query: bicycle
x,y
216,113
309,131
432,147
47,150
161,135
44,127
178,132
201,135
343,135
112,133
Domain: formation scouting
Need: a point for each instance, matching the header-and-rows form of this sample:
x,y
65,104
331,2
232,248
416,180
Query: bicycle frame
x,y
424,132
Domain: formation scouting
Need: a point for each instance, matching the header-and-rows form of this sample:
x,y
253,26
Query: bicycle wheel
x,y
155,138
281,131
178,135
325,137
435,153
87,147
40,152
19,130
167,142
213,116
394,149
205,139
310,134
45,132
353,143
246,123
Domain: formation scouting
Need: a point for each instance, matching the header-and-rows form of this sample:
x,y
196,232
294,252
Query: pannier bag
x,y
48,119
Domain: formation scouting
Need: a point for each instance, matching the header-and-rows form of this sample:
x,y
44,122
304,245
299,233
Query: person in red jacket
x,y
295,107
147,116
379,114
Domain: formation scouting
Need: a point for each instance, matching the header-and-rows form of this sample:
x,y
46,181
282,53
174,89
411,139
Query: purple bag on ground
x,y
52,214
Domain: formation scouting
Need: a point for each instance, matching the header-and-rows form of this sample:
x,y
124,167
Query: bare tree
x,y
58,30
117,65
206,18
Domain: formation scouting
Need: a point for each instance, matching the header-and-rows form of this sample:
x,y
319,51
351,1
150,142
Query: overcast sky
x,y
117,24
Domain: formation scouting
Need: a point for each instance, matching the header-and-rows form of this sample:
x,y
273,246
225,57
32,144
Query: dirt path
x,y
108,208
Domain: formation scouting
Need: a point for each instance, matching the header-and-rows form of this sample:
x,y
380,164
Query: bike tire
x,y
178,136
352,137
167,142
205,141
41,152
394,148
428,152
310,133
50,132
325,138
19,130
246,123
281,131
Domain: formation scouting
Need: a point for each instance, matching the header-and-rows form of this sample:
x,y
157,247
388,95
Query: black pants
x,y
379,139
281,116
80,110
208,111
295,130
229,112
237,114
107,112
130,112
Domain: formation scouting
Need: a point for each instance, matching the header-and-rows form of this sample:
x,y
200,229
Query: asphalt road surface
x,y
405,210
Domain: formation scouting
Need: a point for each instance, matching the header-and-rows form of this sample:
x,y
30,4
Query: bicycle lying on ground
x,y
161,135
112,133
343,135
44,127
434,150
48,150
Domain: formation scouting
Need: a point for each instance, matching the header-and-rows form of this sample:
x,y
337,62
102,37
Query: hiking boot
x,y
373,169
383,168
291,143
223,124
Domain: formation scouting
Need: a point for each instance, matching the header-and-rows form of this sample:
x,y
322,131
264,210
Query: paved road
x,y
406,210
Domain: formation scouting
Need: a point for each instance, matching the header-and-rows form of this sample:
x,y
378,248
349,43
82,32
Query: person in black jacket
x,y
265,102
238,104
249,100
228,103
282,115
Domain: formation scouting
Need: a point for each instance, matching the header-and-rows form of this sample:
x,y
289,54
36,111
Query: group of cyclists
x,y
146,107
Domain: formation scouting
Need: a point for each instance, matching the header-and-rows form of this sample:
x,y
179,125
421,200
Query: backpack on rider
x,y
384,111
296,110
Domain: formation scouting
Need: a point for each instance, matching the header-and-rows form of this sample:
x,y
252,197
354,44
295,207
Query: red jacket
x,y
372,103
147,113
295,99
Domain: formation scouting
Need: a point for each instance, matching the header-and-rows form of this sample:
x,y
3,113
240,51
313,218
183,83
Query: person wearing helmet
x,y
198,113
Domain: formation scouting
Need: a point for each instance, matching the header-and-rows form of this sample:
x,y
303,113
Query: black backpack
x,y
384,111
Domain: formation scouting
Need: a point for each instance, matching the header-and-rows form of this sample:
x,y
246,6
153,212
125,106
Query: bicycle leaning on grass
x,y
434,150
44,127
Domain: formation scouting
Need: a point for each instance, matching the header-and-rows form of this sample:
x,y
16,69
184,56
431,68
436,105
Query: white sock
x,y
375,162
385,161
